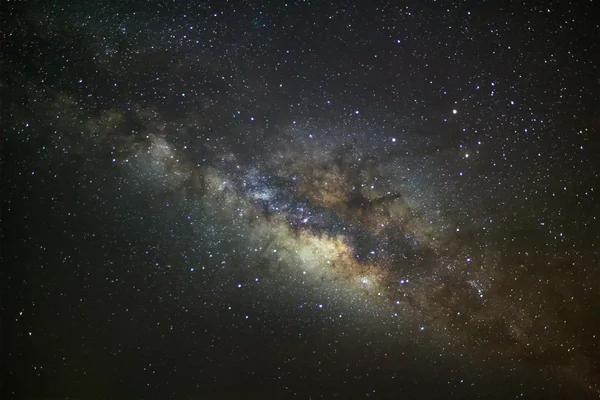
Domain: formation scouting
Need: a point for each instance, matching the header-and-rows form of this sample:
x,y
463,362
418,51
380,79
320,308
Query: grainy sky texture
x,y
300,200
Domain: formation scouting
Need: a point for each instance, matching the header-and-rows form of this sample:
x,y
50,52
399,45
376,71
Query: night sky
x,y
300,200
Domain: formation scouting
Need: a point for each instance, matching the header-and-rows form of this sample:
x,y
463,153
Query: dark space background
x,y
302,199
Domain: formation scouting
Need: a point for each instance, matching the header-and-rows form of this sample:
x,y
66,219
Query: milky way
x,y
343,218
300,200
